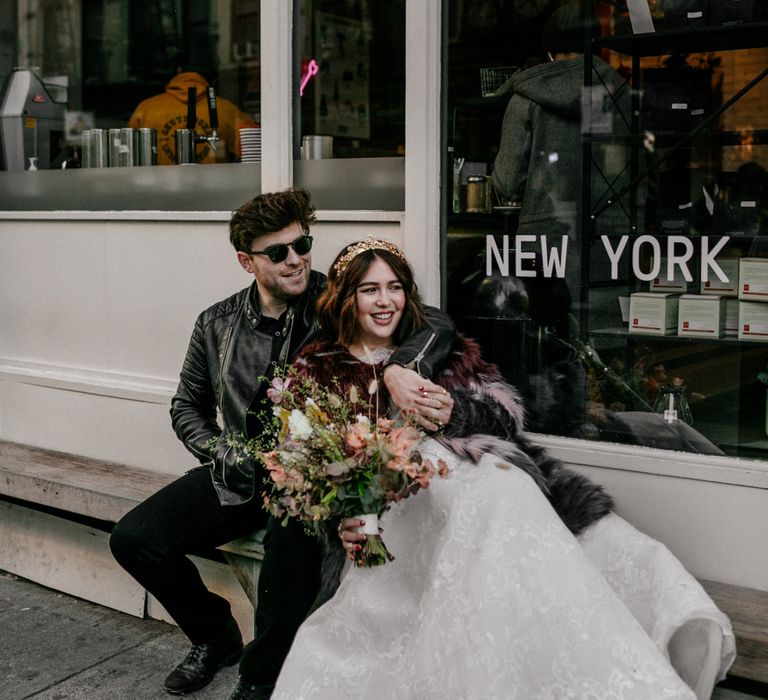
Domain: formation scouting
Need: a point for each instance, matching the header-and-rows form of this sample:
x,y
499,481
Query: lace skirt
x,y
490,596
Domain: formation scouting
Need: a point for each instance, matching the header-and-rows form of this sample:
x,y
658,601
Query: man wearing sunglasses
x,y
235,344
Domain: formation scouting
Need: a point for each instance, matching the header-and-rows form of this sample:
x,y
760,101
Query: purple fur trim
x,y
507,396
475,447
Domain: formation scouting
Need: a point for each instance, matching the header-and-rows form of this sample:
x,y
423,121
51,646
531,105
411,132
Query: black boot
x,y
204,660
247,691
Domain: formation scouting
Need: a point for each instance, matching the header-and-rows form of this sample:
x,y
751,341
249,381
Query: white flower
x,y
363,420
298,425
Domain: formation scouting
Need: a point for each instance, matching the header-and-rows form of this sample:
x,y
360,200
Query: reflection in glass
x,y
350,77
113,54
672,403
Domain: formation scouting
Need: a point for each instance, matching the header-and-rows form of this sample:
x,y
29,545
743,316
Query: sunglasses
x,y
279,252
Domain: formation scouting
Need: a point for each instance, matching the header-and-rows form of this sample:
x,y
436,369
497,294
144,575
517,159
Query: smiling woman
x,y
369,282
380,300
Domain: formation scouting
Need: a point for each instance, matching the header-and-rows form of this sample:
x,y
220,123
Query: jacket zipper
x,y
222,361
224,466
417,360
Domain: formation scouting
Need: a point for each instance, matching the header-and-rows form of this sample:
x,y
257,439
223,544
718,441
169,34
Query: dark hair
x,y
337,305
564,30
268,213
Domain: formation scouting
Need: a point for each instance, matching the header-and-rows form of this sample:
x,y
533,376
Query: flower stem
x,y
373,553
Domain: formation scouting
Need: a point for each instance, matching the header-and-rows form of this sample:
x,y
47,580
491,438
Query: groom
x,y
234,345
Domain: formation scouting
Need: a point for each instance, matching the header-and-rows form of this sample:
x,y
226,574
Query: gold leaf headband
x,y
369,243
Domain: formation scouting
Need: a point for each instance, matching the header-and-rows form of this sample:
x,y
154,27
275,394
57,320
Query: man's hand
x,y
429,403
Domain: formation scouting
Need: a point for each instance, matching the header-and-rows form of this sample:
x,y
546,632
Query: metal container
x,y
85,137
121,147
314,147
478,194
185,147
146,147
95,148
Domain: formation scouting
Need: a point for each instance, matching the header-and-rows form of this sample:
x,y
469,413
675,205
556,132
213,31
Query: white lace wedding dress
x,y
490,596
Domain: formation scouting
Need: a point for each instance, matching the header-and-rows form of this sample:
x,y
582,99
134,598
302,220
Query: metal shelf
x,y
700,40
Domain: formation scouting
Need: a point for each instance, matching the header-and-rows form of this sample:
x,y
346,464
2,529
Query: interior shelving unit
x,y
727,400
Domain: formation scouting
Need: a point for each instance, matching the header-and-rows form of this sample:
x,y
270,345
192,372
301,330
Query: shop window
x,y
350,98
586,235
105,57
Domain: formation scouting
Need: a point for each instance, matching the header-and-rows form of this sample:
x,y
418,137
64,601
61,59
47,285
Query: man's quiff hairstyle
x,y
269,213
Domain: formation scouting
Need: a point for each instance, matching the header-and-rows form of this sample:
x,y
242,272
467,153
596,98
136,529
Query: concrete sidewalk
x,y
54,647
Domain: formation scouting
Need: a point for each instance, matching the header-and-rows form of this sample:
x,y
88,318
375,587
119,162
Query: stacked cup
x,y
95,144
250,145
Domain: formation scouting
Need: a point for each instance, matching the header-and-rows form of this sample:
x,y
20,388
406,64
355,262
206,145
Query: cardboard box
x,y
730,267
653,313
753,321
660,283
753,279
731,317
701,316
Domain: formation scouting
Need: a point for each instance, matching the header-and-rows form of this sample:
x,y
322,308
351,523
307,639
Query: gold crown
x,y
369,243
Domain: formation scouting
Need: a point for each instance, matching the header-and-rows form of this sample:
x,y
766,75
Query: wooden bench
x,y
106,491
103,491
748,610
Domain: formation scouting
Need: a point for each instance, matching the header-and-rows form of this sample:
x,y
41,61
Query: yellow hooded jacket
x,y
168,112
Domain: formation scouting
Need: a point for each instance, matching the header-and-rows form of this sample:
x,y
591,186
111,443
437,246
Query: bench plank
x,y
748,610
75,484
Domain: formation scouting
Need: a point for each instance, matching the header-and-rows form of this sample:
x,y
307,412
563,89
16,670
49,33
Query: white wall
x,y
95,316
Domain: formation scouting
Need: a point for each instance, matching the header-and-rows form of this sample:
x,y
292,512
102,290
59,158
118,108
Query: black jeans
x,y
152,543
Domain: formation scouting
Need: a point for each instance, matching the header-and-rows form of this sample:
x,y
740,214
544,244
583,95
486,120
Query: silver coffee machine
x,y
31,120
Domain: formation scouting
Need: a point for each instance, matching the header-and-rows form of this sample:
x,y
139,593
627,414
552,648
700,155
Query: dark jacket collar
x,y
303,305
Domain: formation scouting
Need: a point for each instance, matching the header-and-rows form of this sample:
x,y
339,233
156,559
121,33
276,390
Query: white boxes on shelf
x,y
753,321
753,279
730,266
731,317
701,316
660,283
652,313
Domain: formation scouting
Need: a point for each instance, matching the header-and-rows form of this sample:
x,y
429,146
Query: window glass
x,y
350,97
101,59
604,170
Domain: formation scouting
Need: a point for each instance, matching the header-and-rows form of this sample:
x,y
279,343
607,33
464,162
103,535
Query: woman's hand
x,y
434,406
430,404
351,539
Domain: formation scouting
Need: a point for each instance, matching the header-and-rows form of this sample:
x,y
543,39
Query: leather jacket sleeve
x,y
193,408
427,349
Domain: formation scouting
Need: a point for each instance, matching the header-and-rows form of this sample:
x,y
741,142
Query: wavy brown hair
x,y
337,305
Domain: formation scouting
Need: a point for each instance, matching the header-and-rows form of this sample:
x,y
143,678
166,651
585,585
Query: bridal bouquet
x,y
333,460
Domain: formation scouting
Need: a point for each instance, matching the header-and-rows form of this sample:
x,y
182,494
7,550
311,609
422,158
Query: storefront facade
x,y
103,271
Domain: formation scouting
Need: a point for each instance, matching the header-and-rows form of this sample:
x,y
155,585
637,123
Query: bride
x,y
511,578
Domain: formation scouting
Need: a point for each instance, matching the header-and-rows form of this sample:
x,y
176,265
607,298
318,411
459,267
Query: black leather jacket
x,y
225,360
